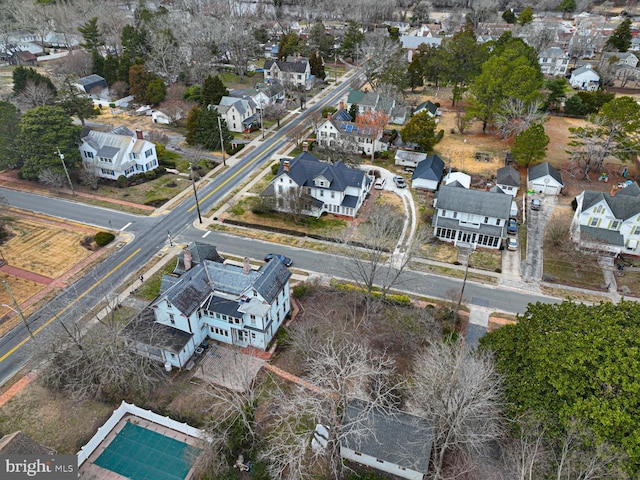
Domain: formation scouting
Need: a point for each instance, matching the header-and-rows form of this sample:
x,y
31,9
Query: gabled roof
x,y
542,170
241,104
553,52
273,276
508,176
413,42
593,234
623,206
305,167
299,66
477,202
199,253
116,145
189,291
342,115
395,436
144,329
584,69
92,81
430,168
428,106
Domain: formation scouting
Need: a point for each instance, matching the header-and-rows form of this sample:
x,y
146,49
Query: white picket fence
x,y
128,408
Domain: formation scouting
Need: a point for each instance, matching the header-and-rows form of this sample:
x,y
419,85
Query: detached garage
x,y
544,179
428,173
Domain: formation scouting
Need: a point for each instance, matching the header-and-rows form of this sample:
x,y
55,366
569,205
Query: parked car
x,y
380,182
512,243
286,260
399,181
535,204
512,227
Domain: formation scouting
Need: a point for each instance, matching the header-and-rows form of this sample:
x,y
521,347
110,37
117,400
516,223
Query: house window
x,y
168,304
253,319
322,193
333,194
486,219
497,221
172,319
615,224
594,222
455,214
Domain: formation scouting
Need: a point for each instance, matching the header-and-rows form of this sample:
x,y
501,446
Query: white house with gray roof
x,y
543,178
321,186
585,78
118,153
391,441
475,217
212,300
609,221
348,136
239,113
508,180
296,73
553,61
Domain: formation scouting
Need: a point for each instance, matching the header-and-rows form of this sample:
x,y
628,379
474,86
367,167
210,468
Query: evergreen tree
x,y
620,40
213,90
352,40
530,145
509,17
320,40
97,62
420,130
567,6
526,16
110,67
22,75
74,103
202,128
317,65
156,91
353,112
44,130
10,121
91,35
289,45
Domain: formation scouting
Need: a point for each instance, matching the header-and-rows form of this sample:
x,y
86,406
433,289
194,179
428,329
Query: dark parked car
x,y
535,204
512,227
286,260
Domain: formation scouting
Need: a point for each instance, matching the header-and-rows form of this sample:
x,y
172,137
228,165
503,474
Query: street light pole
x,y
195,191
64,165
17,308
224,162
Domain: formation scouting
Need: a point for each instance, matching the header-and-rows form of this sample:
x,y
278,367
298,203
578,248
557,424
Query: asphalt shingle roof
x,y
304,168
477,202
430,168
623,206
543,169
299,66
508,176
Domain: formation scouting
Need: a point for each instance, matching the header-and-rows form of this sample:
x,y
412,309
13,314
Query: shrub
x,y
274,168
112,105
103,238
300,290
233,151
150,175
328,110
440,135
237,210
122,182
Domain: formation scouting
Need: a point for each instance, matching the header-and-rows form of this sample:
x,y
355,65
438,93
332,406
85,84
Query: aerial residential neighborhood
x,y
289,240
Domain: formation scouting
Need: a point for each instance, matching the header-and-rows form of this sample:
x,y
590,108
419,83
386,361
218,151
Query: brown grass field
x,y
41,246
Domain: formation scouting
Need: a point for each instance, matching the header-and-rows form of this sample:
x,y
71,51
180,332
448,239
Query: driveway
x,y
511,265
537,220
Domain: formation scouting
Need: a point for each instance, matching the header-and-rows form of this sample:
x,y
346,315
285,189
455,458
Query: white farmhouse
x,y
322,187
585,78
609,221
333,133
239,113
208,298
474,217
118,153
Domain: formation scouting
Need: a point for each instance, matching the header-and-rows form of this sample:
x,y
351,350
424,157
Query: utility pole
x,y
195,191
262,117
64,165
224,162
17,308
464,282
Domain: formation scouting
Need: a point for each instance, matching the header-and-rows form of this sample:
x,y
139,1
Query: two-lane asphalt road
x,y
150,234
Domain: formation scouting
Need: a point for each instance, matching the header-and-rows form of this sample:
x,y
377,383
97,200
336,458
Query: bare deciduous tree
x,y
461,395
36,95
88,176
516,116
96,362
371,124
370,265
54,179
77,65
297,134
339,369
274,111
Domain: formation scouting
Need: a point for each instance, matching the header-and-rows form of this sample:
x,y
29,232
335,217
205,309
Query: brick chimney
x,y
305,146
285,166
187,259
329,116
341,105
246,265
139,135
